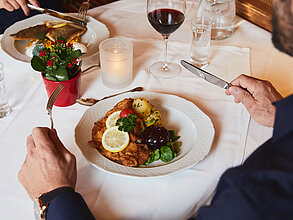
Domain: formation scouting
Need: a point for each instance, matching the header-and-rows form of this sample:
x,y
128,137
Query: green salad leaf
x,y
166,154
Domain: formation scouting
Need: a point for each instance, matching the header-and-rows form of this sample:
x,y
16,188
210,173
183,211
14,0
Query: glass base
x,y
5,112
159,70
199,64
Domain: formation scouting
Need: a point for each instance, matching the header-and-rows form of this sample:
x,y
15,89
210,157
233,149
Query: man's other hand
x,y
257,96
48,164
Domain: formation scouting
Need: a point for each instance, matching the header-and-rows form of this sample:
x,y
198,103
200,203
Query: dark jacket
x,y
261,188
69,206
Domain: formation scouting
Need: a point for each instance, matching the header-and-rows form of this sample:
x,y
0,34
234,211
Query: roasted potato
x,y
142,107
154,119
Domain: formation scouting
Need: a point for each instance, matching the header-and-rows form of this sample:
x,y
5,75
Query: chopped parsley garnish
x,y
126,124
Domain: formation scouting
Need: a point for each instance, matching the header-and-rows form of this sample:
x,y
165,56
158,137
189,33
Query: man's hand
x,y
11,5
48,164
257,96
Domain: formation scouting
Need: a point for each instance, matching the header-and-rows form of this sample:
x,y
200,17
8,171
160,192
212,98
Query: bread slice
x,y
31,33
69,32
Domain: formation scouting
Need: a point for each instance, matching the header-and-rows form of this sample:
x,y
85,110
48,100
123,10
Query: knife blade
x,y
205,75
58,15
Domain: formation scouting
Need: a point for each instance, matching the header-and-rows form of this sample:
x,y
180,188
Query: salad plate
x,y
195,129
96,32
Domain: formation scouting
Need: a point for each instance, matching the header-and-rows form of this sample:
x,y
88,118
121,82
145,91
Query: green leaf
x,y
38,64
72,75
173,136
50,78
156,154
61,38
74,54
60,73
37,49
166,154
53,54
176,148
172,133
64,55
150,159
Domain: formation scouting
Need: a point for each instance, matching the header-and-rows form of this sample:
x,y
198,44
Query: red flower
x,y
60,41
53,43
74,61
49,62
69,65
70,45
42,53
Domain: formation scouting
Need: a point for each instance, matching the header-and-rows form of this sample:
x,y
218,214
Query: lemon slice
x,y
114,140
56,24
111,120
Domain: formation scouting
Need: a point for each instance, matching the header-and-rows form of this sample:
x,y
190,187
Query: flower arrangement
x,y
56,60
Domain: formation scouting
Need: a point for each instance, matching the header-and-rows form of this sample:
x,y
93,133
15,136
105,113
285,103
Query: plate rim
x,y
23,58
172,165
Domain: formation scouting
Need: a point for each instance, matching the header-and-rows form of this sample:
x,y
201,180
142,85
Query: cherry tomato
x,y
125,112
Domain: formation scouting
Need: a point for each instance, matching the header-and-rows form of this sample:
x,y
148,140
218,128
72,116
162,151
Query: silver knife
x,y
205,75
58,15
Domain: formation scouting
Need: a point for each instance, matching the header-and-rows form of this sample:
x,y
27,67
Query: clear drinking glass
x,y
4,105
222,13
200,41
166,16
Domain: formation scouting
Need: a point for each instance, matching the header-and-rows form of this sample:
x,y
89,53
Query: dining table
x,y
177,195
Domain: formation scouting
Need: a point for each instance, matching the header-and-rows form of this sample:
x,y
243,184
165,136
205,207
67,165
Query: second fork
x,y
82,12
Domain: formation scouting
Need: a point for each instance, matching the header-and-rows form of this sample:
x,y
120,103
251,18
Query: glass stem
x,y
165,64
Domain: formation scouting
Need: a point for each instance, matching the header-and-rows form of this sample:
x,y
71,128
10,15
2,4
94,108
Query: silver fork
x,y
52,99
82,12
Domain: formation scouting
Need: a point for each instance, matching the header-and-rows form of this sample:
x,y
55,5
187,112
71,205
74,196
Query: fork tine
x,y
82,12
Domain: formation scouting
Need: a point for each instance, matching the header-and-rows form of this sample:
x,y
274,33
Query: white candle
x,y
116,57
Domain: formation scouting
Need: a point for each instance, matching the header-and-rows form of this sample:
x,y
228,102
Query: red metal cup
x,y
70,92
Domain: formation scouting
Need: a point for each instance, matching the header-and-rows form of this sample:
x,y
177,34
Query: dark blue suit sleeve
x,y
262,188
69,206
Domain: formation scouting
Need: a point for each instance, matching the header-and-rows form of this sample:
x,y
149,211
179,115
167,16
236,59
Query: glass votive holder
x,y
4,105
200,41
116,58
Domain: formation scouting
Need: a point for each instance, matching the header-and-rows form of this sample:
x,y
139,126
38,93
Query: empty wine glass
x,y
166,16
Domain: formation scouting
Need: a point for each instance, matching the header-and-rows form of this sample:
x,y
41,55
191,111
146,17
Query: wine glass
x,y
166,16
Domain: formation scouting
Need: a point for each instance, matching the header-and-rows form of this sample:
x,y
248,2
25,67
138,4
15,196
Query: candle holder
x,y
116,57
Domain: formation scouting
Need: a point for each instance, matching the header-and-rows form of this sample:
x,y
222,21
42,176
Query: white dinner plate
x,y
96,32
189,122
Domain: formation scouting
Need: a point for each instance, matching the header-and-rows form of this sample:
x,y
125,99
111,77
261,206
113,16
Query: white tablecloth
x,y
176,196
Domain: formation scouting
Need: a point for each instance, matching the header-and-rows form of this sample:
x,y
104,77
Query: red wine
x,y
166,21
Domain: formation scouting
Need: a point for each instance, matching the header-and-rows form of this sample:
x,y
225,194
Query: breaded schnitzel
x,y
134,154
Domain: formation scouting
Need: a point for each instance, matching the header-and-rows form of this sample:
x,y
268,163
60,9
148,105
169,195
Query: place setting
x,y
59,60
25,33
